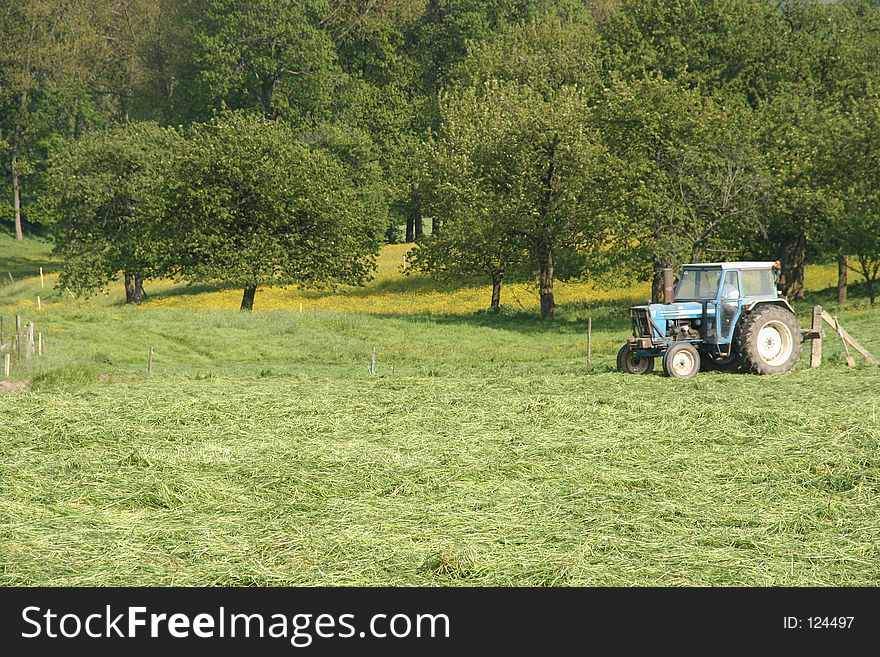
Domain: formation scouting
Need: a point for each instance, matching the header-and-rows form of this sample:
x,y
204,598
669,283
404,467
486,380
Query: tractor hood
x,y
679,310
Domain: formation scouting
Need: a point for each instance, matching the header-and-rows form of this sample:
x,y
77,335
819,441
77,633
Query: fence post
x,y
17,341
42,282
816,347
40,343
373,361
29,345
6,364
150,362
590,341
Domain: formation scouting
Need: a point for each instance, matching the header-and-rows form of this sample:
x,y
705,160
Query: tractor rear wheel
x,y
629,362
681,360
770,340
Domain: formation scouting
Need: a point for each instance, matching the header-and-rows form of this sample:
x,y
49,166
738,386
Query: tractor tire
x,y
770,340
681,361
629,362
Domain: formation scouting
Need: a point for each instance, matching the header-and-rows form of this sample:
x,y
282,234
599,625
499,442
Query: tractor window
x,y
730,289
758,283
698,284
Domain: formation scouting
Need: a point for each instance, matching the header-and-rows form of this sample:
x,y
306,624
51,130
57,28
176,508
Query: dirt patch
x,y
13,386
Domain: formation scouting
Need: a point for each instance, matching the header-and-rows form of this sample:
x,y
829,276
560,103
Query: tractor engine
x,y
682,329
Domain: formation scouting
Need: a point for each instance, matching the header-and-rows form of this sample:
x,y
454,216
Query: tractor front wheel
x,y
770,340
681,360
629,362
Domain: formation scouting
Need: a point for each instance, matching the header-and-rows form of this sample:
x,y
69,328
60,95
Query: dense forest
x,y
266,142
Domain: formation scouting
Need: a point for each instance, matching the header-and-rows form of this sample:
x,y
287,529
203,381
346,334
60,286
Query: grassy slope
x,y
484,452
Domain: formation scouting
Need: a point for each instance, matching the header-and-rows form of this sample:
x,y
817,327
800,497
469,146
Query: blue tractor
x,y
726,316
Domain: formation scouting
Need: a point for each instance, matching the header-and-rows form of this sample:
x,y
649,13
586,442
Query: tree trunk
x,y
497,280
545,279
416,201
419,226
267,90
134,288
657,282
792,274
841,279
16,201
16,181
545,282
872,293
247,300
410,227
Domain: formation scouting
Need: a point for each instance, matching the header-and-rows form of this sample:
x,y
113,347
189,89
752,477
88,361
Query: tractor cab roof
x,y
733,265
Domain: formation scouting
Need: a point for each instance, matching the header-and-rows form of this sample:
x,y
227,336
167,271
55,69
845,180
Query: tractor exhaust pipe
x,y
668,286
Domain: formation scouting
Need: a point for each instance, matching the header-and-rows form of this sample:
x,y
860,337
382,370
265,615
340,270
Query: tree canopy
x,y
717,127
253,206
110,207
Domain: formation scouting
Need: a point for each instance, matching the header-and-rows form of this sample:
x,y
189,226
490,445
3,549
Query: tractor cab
x,y
703,313
724,289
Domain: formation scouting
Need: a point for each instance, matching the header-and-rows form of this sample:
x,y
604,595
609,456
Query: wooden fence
x,y
23,341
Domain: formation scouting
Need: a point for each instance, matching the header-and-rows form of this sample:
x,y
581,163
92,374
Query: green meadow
x,y
484,451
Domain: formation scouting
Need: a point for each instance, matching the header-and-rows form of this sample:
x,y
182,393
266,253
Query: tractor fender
x,y
782,303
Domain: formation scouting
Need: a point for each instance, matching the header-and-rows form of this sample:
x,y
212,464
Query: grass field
x,y
484,452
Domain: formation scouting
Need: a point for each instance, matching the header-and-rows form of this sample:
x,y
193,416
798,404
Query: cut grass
x,y
484,453
561,480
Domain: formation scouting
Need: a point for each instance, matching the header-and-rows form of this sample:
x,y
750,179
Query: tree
x,y
355,150
796,131
400,54
463,180
832,56
254,205
40,68
107,194
266,55
858,155
688,172
120,73
517,176
516,151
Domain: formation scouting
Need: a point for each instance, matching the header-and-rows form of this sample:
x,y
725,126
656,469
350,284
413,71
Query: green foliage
x,y
360,157
269,55
858,234
731,45
363,79
109,205
797,134
688,170
256,206
547,53
514,177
